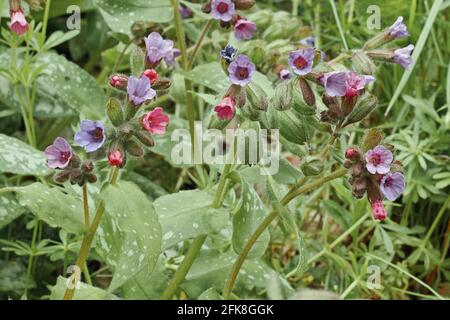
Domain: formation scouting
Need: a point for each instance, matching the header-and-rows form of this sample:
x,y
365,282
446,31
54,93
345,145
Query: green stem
x,y
199,42
197,244
30,259
187,83
267,221
45,21
85,205
89,237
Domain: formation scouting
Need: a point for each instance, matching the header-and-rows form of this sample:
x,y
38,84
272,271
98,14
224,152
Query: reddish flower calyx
x,y
115,158
151,74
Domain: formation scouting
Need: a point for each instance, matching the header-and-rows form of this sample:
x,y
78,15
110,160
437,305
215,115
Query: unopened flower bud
x,y
87,166
18,24
365,105
118,81
282,99
362,63
116,158
206,8
91,178
312,167
114,112
75,162
347,163
378,210
133,148
353,154
145,137
61,176
256,97
356,170
151,74
76,176
244,4
308,94
162,84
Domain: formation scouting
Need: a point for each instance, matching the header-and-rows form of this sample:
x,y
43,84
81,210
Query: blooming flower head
x,y
301,61
139,90
403,56
225,109
19,23
398,29
155,121
356,83
378,160
284,74
115,158
244,29
170,58
308,41
343,83
91,135
392,185
228,53
241,70
222,10
58,154
118,81
378,210
158,48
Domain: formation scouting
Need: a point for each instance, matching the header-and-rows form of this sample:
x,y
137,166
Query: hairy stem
x,y
199,42
85,205
267,221
89,237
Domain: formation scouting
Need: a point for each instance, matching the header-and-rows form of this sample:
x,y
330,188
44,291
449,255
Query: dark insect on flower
x,y
228,53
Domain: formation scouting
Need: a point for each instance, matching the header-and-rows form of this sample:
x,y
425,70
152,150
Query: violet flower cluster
x,y
129,132
377,174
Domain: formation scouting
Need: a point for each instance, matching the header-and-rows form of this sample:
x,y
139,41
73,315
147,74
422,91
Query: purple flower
x,y
308,41
228,53
301,61
58,154
222,10
403,56
284,74
335,83
241,70
244,29
91,135
344,83
170,57
378,160
392,185
398,29
158,48
139,90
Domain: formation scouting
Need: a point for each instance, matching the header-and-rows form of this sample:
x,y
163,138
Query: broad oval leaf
x,y
20,158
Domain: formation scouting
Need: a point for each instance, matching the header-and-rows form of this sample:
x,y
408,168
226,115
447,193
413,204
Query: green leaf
x,y
85,292
9,210
188,214
210,294
13,276
338,213
53,206
20,158
130,237
247,215
121,14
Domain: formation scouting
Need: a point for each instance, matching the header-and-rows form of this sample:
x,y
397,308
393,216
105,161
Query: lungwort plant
x,y
215,150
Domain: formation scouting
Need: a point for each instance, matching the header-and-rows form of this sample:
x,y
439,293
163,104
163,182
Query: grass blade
x,y
338,22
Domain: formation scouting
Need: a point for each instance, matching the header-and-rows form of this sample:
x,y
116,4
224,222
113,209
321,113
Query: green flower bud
x,y
162,84
365,105
114,112
282,99
145,137
133,148
256,97
362,63
312,167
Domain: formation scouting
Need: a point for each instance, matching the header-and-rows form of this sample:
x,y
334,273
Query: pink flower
x,y
379,160
378,210
18,23
244,29
115,158
343,83
58,154
155,121
356,83
118,81
225,109
392,185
